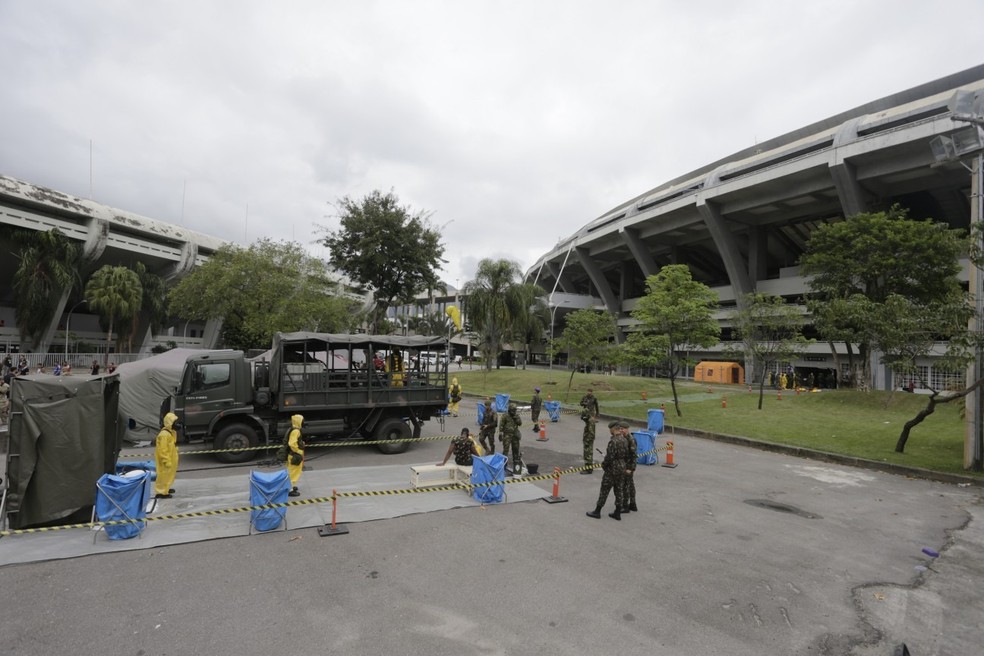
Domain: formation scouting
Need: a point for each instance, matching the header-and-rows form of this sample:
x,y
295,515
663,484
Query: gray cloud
x,y
512,123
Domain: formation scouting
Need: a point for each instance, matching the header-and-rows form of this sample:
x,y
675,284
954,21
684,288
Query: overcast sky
x,y
512,123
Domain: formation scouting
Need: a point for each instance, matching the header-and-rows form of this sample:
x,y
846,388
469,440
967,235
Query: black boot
x,y
633,507
596,513
615,515
588,471
625,510
294,493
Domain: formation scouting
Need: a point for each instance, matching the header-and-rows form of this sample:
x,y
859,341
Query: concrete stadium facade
x,y
741,223
107,236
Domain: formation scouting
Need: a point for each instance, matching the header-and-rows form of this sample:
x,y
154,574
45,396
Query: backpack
x,y
285,450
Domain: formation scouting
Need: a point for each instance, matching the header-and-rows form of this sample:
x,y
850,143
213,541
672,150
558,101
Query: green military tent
x,y
64,435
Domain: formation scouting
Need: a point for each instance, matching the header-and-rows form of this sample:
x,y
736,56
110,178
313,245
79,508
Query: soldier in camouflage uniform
x,y
536,404
486,432
509,434
589,415
614,466
628,481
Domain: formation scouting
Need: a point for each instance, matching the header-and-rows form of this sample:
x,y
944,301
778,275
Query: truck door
x,y
210,390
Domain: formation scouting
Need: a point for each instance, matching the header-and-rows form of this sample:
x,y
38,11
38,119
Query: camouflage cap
x,y
613,423
624,424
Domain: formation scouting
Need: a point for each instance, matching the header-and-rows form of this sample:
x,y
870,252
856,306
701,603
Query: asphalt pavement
x,y
735,551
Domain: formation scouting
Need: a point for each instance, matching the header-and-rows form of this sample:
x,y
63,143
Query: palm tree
x,y
499,307
115,293
153,305
49,265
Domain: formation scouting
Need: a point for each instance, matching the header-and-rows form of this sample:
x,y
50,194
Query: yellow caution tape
x,y
315,500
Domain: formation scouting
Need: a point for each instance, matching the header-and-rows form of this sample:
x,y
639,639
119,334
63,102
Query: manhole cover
x,y
781,507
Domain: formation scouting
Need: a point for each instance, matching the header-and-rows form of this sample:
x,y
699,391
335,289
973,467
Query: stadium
x,y
741,223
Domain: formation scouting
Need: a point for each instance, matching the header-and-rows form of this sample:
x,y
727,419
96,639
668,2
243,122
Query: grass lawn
x,y
864,425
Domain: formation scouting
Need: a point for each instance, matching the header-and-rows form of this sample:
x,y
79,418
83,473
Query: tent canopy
x,y
710,371
144,385
64,435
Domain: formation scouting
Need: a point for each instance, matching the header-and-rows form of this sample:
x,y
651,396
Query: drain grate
x,y
781,507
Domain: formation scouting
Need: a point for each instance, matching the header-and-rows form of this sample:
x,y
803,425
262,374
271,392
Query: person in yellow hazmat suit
x,y
454,397
295,453
166,457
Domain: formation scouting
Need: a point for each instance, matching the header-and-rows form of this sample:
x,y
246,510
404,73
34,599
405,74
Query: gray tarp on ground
x,y
64,435
144,384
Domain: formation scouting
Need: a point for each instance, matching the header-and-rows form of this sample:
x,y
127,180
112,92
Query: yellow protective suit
x,y
454,397
295,445
166,457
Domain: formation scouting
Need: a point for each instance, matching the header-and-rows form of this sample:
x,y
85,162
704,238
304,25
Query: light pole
x,y
553,318
968,107
68,323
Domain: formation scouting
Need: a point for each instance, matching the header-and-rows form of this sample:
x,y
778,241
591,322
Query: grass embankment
x,y
863,425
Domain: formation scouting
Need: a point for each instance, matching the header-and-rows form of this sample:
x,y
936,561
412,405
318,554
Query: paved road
x,y
736,551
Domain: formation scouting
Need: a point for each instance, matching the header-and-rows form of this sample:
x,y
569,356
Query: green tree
x,y
429,323
498,306
909,331
263,289
386,248
49,264
152,310
587,338
856,264
770,331
646,352
115,293
679,309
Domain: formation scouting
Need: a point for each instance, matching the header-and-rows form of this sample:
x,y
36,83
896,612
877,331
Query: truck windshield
x,y
208,375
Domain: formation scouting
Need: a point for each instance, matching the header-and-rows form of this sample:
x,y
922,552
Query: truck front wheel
x,y
393,429
236,436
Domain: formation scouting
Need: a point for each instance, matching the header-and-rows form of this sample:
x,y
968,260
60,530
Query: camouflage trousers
x,y
589,439
628,489
511,442
486,437
612,480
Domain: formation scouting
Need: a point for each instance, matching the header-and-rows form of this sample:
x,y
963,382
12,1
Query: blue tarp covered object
x,y
123,498
553,409
655,420
266,488
488,469
645,441
481,412
501,402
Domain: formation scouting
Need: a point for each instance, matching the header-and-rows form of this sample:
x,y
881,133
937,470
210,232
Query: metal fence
x,y
80,362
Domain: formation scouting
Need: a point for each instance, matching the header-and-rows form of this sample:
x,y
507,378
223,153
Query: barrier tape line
x,y
316,445
272,446
306,502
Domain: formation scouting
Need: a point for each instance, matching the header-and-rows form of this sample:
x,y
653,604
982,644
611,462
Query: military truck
x,y
346,386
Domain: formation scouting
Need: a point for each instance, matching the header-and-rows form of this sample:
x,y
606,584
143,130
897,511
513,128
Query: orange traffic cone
x,y
779,395
724,401
644,396
669,456
543,431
